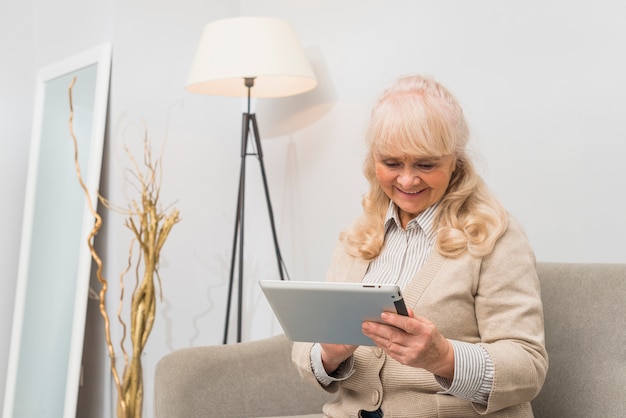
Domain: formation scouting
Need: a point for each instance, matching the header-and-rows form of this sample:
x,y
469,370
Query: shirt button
x,y
378,352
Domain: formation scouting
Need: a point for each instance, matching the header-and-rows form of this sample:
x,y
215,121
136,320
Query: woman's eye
x,y
391,164
425,167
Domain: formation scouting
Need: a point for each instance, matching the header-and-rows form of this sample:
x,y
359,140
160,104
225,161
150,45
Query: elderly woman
x,y
473,343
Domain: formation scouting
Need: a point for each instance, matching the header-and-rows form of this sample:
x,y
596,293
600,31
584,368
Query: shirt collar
x,y
424,220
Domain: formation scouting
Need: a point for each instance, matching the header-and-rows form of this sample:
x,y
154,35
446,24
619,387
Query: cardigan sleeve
x,y
301,357
509,312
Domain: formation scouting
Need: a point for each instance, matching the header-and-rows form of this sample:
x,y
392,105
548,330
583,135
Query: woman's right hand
x,y
335,354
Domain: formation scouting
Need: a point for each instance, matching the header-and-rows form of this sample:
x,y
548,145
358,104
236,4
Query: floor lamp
x,y
249,57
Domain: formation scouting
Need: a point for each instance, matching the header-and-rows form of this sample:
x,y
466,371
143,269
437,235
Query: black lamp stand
x,y
249,126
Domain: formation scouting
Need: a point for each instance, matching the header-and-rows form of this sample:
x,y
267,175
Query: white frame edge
x,y
100,55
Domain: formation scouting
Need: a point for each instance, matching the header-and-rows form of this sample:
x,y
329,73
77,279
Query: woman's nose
x,y
407,178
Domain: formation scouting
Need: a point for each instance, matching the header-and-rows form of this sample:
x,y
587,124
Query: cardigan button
x,y
375,397
378,352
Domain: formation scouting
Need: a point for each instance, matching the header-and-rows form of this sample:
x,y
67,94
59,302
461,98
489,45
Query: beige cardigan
x,y
494,301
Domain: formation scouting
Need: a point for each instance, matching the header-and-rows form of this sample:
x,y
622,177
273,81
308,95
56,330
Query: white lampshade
x,y
262,48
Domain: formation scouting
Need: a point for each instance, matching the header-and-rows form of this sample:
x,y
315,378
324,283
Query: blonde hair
x,y
420,117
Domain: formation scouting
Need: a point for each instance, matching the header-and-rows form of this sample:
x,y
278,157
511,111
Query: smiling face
x,y
416,138
413,183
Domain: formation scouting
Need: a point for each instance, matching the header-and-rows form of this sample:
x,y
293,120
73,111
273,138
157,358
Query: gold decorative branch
x,y
90,242
150,227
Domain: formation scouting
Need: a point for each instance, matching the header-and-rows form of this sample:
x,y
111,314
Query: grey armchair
x,y
585,311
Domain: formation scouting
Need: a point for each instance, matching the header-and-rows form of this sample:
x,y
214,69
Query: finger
x,y
385,336
396,320
379,333
414,325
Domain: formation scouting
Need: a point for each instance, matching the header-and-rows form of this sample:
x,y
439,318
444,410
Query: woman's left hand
x,y
412,341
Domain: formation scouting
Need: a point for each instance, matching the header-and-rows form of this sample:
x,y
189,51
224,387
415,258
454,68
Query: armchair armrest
x,y
250,379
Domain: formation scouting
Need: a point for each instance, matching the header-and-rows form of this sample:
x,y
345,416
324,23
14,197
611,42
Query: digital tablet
x,y
330,312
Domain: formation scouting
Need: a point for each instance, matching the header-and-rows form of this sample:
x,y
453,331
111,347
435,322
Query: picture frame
x,y
55,262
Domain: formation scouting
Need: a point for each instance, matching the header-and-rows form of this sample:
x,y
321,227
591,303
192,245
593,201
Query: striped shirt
x,y
404,251
403,254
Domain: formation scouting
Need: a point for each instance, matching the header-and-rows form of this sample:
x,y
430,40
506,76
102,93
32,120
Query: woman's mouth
x,y
411,193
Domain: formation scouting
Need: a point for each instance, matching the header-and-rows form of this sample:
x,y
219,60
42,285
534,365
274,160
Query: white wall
x,y
541,81
16,94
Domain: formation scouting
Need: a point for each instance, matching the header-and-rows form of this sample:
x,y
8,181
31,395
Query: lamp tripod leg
x,y
257,140
237,249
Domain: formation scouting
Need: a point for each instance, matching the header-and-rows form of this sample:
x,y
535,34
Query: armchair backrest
x,y
585,320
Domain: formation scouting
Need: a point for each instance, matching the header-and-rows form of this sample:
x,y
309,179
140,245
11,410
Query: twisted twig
x,y
150,228
94,254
